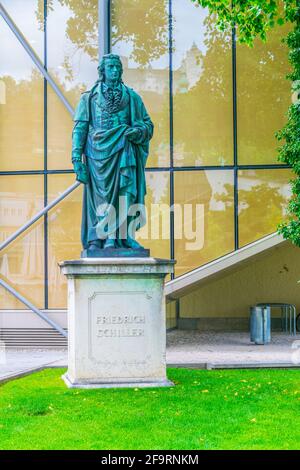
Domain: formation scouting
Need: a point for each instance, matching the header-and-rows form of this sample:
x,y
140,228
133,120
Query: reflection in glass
x,y
263,196
64,235
72,62
202,87
72,36
263,97
59,125
140,37
155,235
21,107
22,262
203,216
28,16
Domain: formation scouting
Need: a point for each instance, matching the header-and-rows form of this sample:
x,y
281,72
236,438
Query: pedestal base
x,y
116,322
116,253
135,384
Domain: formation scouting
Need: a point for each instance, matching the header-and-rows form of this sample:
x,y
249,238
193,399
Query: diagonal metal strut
x,y
19,232
104,47
38,215
20,37
33,308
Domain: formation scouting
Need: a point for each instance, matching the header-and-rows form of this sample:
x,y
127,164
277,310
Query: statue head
x,y
110,68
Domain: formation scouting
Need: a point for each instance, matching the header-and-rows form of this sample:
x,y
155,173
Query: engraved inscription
x,y
119,332
118,319
118,326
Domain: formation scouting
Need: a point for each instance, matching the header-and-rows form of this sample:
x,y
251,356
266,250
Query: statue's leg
x,y
84,221
110,241
122,211
99,222
88,234
126,217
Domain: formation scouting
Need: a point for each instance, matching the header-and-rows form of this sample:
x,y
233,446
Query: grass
x,y
238,409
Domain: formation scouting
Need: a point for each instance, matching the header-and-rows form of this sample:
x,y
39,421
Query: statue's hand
x,y
133,133
81,172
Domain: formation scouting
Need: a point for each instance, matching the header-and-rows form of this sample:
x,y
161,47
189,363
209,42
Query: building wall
x,y
271,277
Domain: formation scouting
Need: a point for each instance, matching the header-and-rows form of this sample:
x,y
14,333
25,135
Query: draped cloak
x,y
115,164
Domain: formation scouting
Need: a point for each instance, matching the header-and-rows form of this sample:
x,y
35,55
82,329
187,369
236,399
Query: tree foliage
x,y
290,151
252,18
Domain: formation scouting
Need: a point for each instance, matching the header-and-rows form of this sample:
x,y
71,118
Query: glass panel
x,y
10,302
64,235
263,97
72,61
202,87
29,18
263,196
72,33
204,217
60,125
22,262
21,107
171,316
155,235
140,37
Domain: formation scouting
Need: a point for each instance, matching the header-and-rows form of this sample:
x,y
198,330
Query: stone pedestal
x,y
116,322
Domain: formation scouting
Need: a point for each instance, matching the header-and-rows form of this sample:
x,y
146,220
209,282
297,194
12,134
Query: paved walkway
x,y
228,348
19,361
183,348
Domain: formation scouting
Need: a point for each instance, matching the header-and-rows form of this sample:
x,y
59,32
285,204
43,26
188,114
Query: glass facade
x,y
263,97
216,106
202,89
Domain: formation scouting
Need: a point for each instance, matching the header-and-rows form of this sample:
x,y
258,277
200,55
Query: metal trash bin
x,y
260,325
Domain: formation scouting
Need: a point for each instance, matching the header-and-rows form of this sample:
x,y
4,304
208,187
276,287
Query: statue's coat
x,y
116,165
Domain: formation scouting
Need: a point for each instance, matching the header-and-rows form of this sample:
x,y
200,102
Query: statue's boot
x,y
109,243
94,245
131,243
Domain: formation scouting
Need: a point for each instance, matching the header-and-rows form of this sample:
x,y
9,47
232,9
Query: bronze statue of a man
x,y
110,147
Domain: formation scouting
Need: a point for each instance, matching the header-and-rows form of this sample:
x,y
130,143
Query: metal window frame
x,y
46,263
171,135
235,141
104,27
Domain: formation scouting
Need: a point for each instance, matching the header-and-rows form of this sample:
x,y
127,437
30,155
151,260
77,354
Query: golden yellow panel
x,y
22,262
60,125
21,107
171,314
155,235
9,301
72,37
140,37
263,196
64,223
263,97
203,216
202,88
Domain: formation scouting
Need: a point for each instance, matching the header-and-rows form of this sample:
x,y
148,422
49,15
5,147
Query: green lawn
x,y
238,409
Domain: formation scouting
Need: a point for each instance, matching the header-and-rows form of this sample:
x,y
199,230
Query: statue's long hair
x,y
101,67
